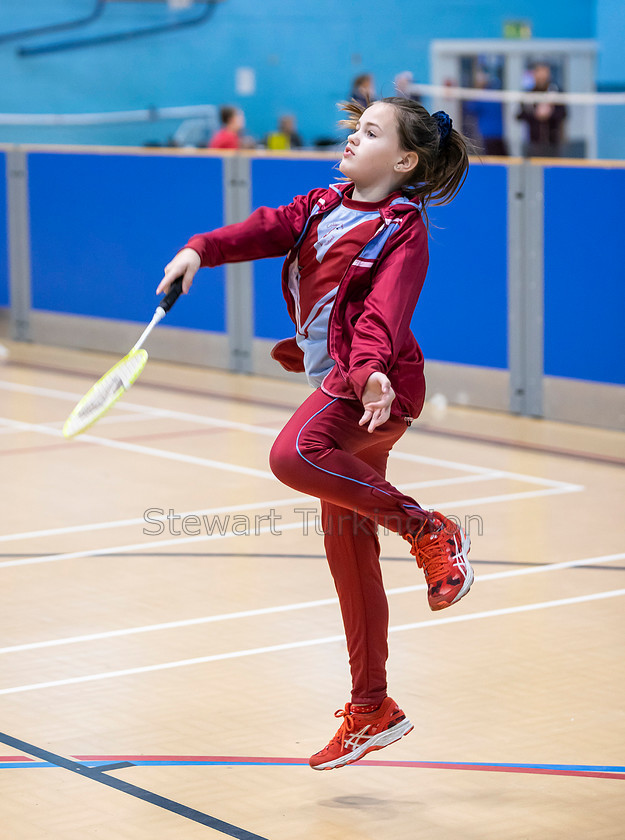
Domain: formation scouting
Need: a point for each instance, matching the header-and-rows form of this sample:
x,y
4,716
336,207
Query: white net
x,y
591,123
105,393
592,128
186,125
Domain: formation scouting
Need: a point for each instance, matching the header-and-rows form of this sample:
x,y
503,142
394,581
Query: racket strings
x,y
101,393
105,392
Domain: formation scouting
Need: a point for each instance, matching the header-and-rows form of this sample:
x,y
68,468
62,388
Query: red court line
x,y
146,382
579,771
50,447
498,768
206,430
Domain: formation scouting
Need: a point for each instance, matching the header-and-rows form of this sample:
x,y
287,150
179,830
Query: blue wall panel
x,y
4,233
103,227
276,182
584,274
462,312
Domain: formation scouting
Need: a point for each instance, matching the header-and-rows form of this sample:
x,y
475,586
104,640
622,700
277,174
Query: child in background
x,y
357,258
229,135
286,136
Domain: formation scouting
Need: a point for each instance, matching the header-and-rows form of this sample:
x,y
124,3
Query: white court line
x,y
304,605
542,605
261,430
200,660
560,487
148,410
449,505
138,520
267,505
482,474
462,467
509,497
131,548
108,420
142,450
479,473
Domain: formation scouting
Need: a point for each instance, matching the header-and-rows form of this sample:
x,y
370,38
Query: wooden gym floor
x,y
161,681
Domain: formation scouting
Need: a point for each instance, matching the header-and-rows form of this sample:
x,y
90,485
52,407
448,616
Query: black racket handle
x,y
175,290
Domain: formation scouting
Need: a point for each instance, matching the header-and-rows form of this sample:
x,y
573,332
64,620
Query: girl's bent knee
x,y
283,461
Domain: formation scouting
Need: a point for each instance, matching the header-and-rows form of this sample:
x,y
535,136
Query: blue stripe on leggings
x,y
338,475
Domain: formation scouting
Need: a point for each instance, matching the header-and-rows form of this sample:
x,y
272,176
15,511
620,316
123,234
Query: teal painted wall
x,y
611,76
304,54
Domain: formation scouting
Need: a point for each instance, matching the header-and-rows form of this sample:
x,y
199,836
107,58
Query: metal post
x,y
526,288
19,244
534,290
239,282
516,277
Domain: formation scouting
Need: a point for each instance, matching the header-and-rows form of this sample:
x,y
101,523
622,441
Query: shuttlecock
x,y
438,404
4,352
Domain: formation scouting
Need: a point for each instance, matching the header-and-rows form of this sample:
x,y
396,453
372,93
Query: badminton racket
x,y
116,381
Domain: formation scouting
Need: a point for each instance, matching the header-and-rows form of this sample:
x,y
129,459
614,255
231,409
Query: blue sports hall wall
x,y
584,274
276,182
462,312
103,227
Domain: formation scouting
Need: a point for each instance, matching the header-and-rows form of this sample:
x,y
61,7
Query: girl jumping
x,y
356,259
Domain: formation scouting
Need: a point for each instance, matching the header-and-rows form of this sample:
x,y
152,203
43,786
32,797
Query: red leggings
x,y
323,452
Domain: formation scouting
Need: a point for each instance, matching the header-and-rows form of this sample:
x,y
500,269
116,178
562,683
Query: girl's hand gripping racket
x,y
115,382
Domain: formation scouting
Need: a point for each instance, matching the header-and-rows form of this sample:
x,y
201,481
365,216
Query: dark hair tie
x,y
444,125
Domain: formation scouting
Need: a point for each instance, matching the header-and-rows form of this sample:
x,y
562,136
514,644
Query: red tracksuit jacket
x,y
369,326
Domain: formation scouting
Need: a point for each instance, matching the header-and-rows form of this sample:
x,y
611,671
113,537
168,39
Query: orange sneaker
x,y
441,549
360,734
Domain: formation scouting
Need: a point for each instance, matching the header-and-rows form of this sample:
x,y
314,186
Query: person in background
x,y
229,135
545,120
403,82
363,89
487,118
285,136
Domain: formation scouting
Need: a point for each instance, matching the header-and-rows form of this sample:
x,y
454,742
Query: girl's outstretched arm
x,y
267,232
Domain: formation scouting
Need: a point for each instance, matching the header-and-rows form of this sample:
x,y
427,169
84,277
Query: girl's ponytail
x,y
450,166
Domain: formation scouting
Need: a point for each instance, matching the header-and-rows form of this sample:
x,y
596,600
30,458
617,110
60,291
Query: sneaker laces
x,y
346,726
435,559
431,555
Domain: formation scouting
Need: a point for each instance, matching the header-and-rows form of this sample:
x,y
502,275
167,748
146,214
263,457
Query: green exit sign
x,y
517,29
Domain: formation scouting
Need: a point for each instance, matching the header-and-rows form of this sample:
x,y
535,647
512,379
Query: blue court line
x,y
105,763
97,774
